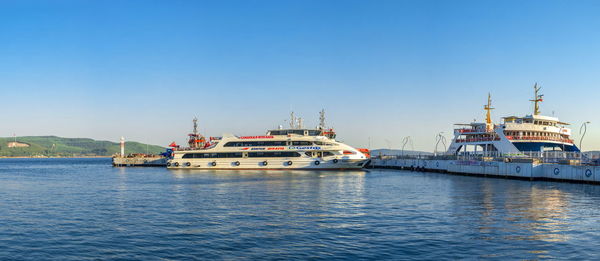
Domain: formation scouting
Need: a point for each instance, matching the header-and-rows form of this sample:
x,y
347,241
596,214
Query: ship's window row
x,y
323,143
529,133
301,143
278,154
275,154
314,133
212,155
545,123
535,122
298,132
268,143
254,143
286,132
319,153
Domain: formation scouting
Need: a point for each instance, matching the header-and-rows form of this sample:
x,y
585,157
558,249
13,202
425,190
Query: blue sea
x,y
84,209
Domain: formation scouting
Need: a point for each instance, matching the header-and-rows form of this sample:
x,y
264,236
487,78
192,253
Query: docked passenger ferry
x,y
283,149
515,135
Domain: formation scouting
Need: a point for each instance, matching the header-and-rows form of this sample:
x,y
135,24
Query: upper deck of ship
x,y
533,124
273,137
513,123
302,132
532,132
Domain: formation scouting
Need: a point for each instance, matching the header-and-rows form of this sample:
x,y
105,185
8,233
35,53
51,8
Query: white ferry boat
x,y
515,135
280,149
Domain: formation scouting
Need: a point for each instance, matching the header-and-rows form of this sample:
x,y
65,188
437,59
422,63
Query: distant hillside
x,y
398,152
68,147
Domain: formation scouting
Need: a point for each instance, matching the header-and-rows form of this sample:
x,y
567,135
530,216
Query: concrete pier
x,y
529,169
139,161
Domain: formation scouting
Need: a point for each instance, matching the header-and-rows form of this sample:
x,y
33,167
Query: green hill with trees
x,y
52,146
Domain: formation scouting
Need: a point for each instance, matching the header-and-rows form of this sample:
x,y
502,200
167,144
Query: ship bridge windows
x,y
314,132
542,123
212,155
302,132
255,143
277,154
287,132
320,143
297,132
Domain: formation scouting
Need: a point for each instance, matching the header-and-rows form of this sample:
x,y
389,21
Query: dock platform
x,y
156,161
529,169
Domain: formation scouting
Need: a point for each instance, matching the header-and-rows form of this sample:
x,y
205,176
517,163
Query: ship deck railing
x,y
538,138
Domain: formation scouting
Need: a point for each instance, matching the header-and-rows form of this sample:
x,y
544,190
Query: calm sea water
x,y
78,209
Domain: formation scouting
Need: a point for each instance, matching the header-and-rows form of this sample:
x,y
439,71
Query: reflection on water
x,y
543,214
278,204
72,209
324,194
538,213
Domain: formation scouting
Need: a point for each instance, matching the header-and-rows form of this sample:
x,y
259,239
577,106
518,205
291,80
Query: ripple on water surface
x,y
73,209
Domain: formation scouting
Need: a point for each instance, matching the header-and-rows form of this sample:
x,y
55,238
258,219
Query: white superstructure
x,y
515,135
294,148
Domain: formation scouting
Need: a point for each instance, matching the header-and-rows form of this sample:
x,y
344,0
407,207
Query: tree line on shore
x,y
52,146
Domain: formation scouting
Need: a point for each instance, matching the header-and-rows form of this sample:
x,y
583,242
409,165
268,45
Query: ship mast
x,y
537,99
292,121
488,119
195,131
196,140
322,119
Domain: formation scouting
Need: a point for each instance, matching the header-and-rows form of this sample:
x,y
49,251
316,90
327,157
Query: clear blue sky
x,y
381,69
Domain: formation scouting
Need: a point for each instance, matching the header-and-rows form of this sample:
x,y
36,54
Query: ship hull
x,y
271,164
294,149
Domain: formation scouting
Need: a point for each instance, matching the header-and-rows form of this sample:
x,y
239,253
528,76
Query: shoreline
x,y
54,157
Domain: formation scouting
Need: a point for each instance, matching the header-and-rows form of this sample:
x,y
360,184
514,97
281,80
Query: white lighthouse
x,y
122,146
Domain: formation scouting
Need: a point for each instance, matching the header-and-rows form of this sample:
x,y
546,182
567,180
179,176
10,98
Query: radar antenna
x,y
537,98
322,119
196,140
195,131
292,121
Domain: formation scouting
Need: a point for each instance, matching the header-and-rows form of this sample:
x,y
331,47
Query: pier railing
x,y
542,157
